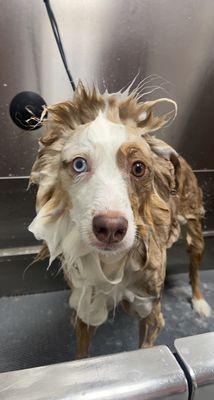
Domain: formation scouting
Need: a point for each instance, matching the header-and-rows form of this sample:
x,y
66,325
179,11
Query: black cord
x,y
58,40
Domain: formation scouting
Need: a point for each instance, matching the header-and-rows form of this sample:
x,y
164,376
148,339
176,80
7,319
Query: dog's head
x,y
102,178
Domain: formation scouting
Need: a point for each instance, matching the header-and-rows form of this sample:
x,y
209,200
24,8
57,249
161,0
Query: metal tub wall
x,y
109,42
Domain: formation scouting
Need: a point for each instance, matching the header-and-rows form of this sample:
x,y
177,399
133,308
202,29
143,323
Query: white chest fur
x,y
98,287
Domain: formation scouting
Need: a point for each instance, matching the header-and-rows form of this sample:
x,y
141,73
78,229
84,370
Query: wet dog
x,y
111,198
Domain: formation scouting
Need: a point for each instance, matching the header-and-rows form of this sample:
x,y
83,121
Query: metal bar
x,y
19,251
203,170
23,250
209,233
3,178
137,375
197,354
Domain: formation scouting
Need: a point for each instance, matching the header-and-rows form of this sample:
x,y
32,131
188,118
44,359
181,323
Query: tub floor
x,y
35,329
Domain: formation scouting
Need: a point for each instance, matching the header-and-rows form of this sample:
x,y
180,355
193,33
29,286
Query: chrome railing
x,y
148,374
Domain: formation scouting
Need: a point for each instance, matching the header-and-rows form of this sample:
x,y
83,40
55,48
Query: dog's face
x,y
97,186
98,180
95,176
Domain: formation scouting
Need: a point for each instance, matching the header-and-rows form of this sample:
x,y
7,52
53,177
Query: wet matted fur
x,y
112,132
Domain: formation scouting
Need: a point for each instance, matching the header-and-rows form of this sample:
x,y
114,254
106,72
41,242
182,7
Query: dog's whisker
x,y
26,269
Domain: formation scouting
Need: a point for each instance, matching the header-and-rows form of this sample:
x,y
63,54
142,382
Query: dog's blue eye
x,y
80,165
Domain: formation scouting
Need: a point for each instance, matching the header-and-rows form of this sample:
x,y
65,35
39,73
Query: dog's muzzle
x,y
109,229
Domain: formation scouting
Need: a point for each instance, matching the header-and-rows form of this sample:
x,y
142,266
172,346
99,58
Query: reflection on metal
x,y
209,233
203,171
19,251
109,42
11,178
138,375
197,354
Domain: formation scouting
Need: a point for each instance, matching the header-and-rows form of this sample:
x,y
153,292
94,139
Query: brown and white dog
x,y
111,198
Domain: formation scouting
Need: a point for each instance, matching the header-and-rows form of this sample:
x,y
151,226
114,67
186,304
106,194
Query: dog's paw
x,y
201,307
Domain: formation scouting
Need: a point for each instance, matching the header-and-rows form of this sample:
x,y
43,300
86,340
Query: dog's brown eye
x,y
138,169
79,165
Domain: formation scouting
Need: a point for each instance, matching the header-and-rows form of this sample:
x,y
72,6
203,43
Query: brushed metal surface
x,y
17,209
197,353
108,42
142,374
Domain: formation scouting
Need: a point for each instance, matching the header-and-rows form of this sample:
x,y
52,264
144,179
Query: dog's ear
x,y
150,120
163,150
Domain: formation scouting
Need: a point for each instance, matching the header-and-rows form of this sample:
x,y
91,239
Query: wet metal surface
x,y
144,374
17,209
197,353
109,42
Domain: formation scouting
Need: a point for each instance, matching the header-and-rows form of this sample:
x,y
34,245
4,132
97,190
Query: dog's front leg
x,y
151,326
84,334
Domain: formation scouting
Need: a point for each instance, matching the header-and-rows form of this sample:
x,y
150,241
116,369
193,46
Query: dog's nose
x,y
109,229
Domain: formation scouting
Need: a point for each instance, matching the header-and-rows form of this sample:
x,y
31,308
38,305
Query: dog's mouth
x,y
105,247
108,249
